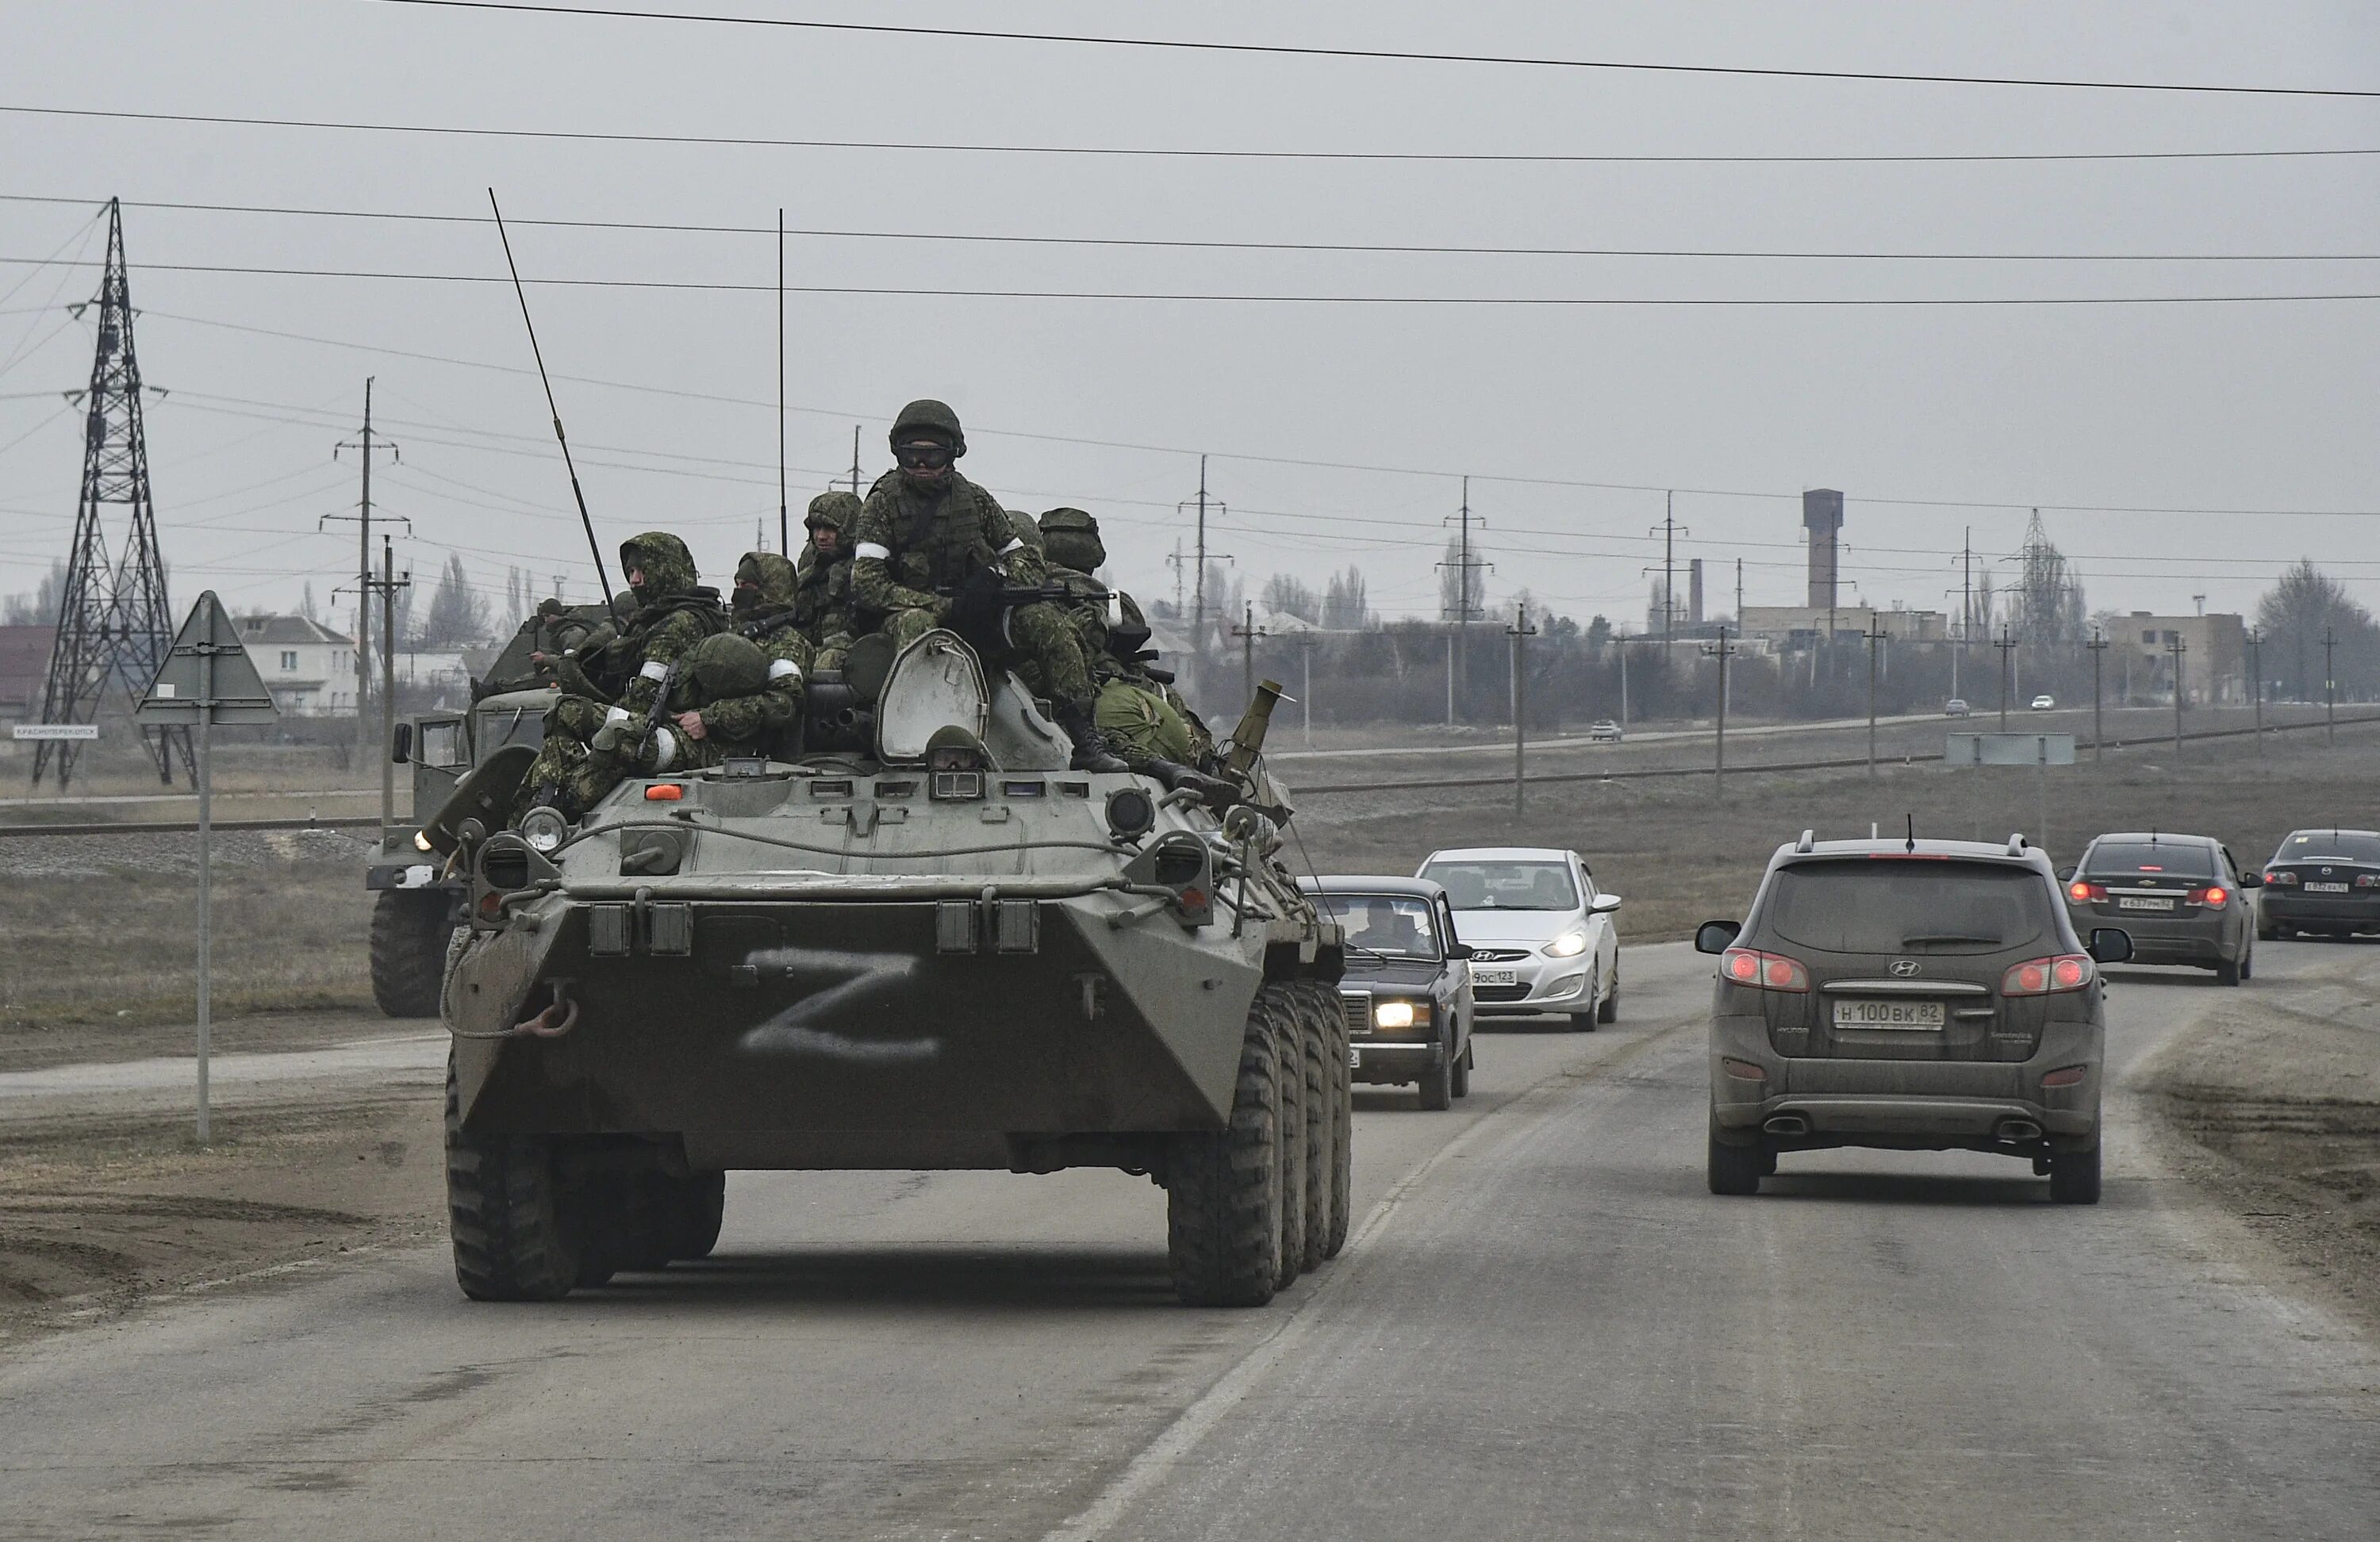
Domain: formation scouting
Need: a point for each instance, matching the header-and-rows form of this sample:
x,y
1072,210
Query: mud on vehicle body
x,y
917,941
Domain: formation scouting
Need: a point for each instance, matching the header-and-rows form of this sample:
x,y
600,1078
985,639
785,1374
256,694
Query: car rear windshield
x,y
1506,885
2122,858
1908,906
1394,924
2314,845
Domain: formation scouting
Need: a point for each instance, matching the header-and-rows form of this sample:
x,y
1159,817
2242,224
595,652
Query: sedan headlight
x,y
1401,1015
1568,945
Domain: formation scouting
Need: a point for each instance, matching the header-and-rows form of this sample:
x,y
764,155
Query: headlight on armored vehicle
x,y
1401,1015
544,828
1568,945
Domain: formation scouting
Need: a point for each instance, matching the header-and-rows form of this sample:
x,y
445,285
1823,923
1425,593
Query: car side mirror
x,y
2066,875
1716,937
2111,944
1603,905
400,748
2252,880
1459,949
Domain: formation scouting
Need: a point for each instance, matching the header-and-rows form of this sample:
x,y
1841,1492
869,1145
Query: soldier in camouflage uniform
x,y
824,606
745,698
925,528
592,742
1141,714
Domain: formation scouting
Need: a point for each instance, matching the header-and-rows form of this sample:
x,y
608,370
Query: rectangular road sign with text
x,y
2009,749
53,731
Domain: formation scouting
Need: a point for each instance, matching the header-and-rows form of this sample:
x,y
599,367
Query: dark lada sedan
x,y
1407,989
2321,882
1913,995
2181,897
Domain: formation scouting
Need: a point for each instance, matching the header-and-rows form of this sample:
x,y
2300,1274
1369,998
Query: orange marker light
x,y
664,791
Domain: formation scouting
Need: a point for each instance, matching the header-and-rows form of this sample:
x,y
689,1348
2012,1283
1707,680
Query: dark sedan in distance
x,y
2182,898
1407,989
2321,883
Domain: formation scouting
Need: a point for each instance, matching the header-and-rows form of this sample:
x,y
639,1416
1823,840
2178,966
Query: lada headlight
x,y
1401,1015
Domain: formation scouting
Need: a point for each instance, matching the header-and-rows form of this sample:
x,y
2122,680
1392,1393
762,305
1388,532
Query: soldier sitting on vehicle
x,y
1139,710
823,606
730,714
933,550
592,742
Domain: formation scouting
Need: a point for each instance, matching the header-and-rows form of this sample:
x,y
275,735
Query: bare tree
x,y
457,612
1291,595
1346,603
39,608
2296,613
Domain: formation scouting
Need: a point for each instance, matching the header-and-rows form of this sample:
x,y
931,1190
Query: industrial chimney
x,y
1822,515
1694,591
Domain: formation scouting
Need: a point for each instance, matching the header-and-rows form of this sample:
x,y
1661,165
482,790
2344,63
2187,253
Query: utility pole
x,y
2175,649
855,460
389,584
1739,596
2007,646
1620,640
1875,633
1450,678
367,444
1668,530
1305,685
1721,651
2098,646
1248,632
1175,561
1520,632
1198,582
2256,667
2329,689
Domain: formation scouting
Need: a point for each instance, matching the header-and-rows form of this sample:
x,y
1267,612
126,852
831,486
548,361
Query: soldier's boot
x,y
1213,791
1092,752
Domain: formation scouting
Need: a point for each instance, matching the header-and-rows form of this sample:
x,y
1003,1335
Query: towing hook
x,y
555,1020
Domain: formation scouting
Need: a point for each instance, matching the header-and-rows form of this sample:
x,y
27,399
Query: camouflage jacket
x,y
823,603
753,721
675,615
905,546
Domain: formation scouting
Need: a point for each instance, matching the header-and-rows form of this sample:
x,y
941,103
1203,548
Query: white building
x,y
309,669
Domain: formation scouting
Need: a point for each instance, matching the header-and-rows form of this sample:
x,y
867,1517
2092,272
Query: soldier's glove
x,y
975,612
607,739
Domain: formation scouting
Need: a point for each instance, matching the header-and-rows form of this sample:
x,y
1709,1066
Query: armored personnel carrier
x,y
910,939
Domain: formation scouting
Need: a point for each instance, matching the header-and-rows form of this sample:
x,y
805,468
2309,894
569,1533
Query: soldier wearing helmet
x,y
822,607
737,709
932,549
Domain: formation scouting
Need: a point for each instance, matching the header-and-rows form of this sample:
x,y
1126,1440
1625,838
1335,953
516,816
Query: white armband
x,y
617,714
781,668
664,748
654,670
867,549
1015,544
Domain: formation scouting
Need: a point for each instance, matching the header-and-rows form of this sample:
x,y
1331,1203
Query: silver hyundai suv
x,y
1911,995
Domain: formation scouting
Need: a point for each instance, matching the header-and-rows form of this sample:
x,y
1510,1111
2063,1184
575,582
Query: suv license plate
x,y
1494,976
2129,903
1917,1016
2325,888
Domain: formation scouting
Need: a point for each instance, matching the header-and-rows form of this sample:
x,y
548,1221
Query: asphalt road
x,y
1544,1327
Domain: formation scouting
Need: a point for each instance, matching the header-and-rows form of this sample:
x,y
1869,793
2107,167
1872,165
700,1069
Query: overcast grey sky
x,y
2198,407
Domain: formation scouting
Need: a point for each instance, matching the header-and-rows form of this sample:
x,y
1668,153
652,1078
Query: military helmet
x,y
1129,630
727,665
1026,531
1071,539
837,508
931,420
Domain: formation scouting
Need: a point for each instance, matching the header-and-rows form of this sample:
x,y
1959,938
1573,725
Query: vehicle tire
x,y
1223,1186
648,1207
2074,1177
507,1213
2226,972
1768,1159
1607,1009
1732,1169
2265,930
1323,1115
1339,1210
2248,964
1289,1043
698,1205
1437,1085
409,951
1458,1081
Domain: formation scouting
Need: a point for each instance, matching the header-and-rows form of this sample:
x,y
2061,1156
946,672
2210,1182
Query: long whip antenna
x,y
784,531
602,575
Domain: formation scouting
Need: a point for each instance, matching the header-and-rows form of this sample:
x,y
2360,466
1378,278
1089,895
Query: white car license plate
x,y
1498,976
2326,888
2128,902
1354,1057
1918,1016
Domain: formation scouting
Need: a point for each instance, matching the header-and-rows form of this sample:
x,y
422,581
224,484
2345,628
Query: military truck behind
x,y
418,904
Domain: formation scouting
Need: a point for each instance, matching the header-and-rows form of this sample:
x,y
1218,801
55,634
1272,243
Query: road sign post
x,y
2039,750
207,678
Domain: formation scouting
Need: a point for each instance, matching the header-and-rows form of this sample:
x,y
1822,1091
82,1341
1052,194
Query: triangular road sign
x,y
207,674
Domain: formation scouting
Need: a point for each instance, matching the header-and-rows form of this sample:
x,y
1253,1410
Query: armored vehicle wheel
x,y
1223,1186
1289,1029
698,1205
2074,1177
1341,1171
409,951
1323,1115
642,1221
505,1210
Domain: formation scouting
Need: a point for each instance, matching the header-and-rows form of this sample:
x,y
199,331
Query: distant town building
x,y
309,669
2213,656
1786,627
24,669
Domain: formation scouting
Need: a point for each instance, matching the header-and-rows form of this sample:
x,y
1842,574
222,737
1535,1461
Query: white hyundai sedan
x,y
1542,938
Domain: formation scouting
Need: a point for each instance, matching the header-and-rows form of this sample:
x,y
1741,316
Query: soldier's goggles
x,y
922,455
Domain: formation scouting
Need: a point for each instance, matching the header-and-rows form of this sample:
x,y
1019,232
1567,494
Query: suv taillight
x,y
1762,971
2043,976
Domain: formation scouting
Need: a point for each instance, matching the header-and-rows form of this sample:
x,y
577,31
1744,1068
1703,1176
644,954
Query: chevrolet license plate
x,y
1914,1016
2130,902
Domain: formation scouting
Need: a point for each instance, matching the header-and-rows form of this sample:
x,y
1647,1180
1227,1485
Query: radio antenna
x,y
784,531
602,575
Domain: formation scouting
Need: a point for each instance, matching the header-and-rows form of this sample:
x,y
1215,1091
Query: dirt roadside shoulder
x,y
2277,1104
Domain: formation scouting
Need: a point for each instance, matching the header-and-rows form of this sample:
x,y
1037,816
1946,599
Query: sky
x,y
2176,450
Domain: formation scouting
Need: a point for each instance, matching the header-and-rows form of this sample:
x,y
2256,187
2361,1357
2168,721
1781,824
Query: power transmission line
x,y
1385,54
740,141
